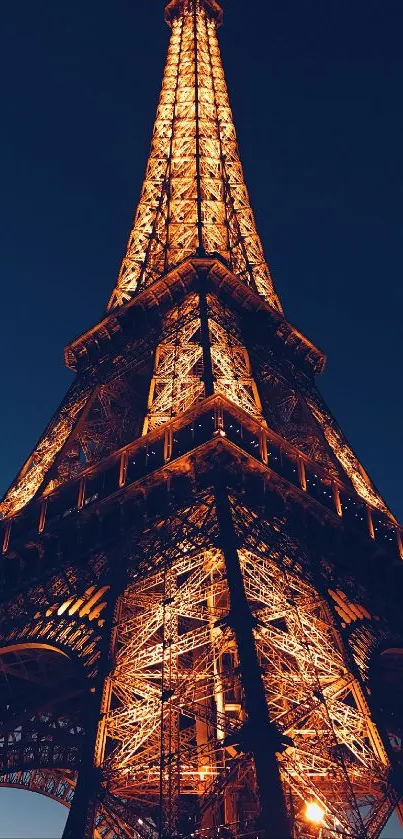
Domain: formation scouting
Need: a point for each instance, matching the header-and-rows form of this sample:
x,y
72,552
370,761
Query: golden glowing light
x,y
194,148
314,812
172,721
194,201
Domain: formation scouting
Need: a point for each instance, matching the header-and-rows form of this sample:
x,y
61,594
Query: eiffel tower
x,y
200,619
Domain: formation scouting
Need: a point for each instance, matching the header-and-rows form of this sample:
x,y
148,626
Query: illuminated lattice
x,y
169,646
178,369
315,700
178,379
194,202
149,582
178,700
194,198
231,368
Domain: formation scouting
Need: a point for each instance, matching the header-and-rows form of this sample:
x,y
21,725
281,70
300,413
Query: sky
x,y
316,93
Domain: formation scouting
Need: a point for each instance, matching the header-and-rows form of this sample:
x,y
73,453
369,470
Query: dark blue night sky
x,y
316,89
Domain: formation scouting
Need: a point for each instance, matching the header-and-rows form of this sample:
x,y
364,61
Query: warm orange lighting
x,y
226,399
314,812
209,209
203,208
177,383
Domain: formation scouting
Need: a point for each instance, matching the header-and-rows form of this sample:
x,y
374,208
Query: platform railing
x,y
212,418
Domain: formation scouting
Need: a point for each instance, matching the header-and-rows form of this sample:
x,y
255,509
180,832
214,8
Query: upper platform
x,y
169,289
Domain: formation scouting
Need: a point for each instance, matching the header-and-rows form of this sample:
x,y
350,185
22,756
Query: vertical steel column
x,y
200,243
208,376
262,738
87,795
80,821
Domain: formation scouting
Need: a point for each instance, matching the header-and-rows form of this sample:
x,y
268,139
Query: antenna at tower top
x,y
174,8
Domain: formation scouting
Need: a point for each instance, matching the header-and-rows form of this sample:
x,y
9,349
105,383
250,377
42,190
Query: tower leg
x,y
261,735
81,819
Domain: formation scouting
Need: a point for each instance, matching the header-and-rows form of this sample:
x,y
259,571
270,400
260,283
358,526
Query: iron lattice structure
x,y
201,586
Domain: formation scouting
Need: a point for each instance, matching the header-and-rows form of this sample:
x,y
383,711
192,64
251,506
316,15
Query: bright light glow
x,y
140,821
215,189
314,812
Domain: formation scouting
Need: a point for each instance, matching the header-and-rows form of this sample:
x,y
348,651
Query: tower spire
x,y
174,8
194,199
